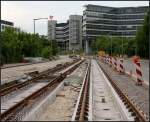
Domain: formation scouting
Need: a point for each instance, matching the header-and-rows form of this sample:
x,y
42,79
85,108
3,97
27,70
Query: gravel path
x,y
139,94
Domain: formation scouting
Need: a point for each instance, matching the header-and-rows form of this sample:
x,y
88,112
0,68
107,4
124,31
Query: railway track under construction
x,y
14,85
100,99
32,91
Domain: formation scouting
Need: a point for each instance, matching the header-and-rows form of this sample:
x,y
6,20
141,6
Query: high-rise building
x,y
75,32
51,29
102,20
62,36
67,35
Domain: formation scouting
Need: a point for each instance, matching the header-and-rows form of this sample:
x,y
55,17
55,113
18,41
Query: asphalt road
x,y
144,66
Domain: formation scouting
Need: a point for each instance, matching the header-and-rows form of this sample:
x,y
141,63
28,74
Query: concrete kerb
x,y
36,112
122,108
91,97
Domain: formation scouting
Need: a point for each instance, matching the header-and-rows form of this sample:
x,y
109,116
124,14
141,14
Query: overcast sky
x,y
22,13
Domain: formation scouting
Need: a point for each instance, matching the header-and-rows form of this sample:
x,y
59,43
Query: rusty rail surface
x,y
11,112
17,85
138,115
82,105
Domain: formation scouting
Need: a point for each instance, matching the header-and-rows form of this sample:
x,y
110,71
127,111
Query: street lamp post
x,y
37,19
110,42
111,45
122,43
136,43
34,25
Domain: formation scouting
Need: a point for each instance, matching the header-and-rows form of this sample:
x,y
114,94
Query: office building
x,y
62,36
67,35
51,29
5,24
102,20
75,32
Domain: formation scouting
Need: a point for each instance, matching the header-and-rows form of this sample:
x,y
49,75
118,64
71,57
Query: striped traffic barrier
x,y
138,73
115,62
137,64
110,58
121,67
104,59
107,60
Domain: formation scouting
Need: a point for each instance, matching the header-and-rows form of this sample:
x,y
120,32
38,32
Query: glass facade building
x,y
102,20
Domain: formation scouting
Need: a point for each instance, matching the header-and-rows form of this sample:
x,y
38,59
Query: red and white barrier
x,y
138,72
121,67
115,62
110,58
107,60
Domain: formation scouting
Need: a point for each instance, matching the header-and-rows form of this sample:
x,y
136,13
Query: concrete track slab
x,y
104,105
13,100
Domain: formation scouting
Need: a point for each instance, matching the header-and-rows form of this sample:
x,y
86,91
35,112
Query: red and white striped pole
x,y
110,61
115,63
138,71
107,59
121,67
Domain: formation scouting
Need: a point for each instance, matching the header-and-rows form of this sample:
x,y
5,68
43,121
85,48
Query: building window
x,y
3,27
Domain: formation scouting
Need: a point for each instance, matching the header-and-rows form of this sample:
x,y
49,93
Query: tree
x,y
54,47
142,38
15,45
47,52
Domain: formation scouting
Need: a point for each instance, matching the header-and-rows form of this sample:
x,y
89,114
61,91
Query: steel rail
x,y
138,115
82,105
16,86
9,113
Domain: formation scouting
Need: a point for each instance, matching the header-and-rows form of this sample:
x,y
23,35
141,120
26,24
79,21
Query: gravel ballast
x,y
138,94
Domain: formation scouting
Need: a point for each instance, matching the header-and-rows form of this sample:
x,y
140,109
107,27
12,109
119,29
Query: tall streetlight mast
x,y
122,43
37,19
136,43
111,44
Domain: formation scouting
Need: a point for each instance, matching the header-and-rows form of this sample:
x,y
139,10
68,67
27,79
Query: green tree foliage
x,y
54,47
47,52
131,46
120,45
15,45
142,38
